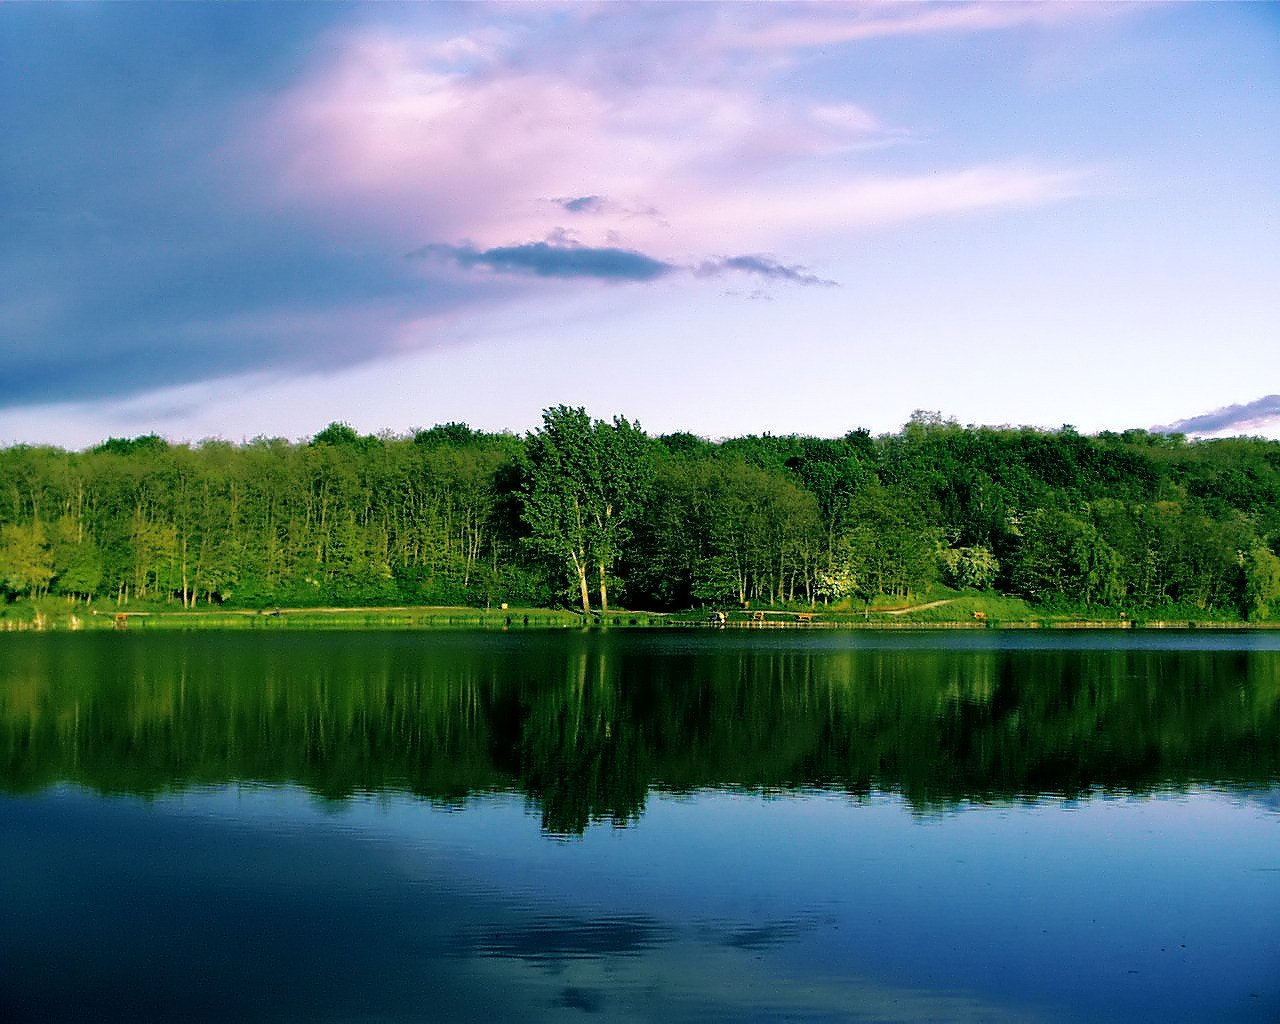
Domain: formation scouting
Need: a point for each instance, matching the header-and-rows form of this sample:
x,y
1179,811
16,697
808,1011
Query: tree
x,y
583,492
832,471
561,464
341,435
1261,582
1064,557
972,568
626,471
143,443
25,564
76,561
889,546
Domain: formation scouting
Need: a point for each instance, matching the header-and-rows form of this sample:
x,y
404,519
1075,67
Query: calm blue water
x,y
180,840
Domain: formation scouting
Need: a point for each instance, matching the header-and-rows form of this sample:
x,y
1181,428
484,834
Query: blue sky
x,y
234,220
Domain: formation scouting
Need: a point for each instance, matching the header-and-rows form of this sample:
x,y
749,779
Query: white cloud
x,y
858,22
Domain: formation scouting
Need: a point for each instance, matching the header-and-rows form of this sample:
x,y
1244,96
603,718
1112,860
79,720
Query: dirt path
x,y
920,607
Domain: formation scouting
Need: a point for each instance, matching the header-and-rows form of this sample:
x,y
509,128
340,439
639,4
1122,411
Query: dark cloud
x,y
762,266
593,205
130,255
583,204
564,258
110,314
1230,417
543,259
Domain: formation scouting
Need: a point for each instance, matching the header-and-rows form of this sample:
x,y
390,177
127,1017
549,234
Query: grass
x,y
59,615
936,608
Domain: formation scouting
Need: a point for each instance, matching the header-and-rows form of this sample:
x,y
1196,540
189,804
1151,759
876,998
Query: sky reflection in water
x,y
263,903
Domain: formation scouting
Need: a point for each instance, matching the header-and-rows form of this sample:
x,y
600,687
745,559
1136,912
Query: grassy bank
x,y
106,616
937,609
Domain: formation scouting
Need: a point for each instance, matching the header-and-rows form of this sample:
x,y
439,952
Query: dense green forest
x,y
595,513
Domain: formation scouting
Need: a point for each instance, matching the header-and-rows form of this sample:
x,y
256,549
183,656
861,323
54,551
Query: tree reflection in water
x,y
586,725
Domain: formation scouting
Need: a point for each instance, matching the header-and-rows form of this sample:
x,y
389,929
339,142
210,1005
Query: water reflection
x,y
559,937
587,726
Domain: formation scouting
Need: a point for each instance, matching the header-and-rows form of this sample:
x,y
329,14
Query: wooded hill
x,y
596,513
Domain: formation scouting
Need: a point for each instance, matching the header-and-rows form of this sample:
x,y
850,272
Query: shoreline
x,y
462,618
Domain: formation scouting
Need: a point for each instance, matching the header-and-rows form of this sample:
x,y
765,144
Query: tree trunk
x,y
580,566
185,605
604,593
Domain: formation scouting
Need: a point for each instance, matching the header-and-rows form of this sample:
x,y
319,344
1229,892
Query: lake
x,y
640,826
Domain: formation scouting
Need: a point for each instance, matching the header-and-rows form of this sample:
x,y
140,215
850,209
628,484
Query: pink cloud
x,y
387,134
471,140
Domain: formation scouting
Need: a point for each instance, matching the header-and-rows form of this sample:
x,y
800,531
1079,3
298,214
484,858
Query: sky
x,y
241,220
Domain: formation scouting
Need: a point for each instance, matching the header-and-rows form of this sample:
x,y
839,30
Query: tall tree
x,y
562,463
626,472
583,492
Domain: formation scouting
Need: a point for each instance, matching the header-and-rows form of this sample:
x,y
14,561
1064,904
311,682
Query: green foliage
x,y
974,568
1261,582
597,511
25,563
344,435
889,547
78,562
585,487
1064,558
144,444
684,444
451,435
723,530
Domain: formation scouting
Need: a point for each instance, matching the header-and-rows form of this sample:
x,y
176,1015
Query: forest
x,y
599,514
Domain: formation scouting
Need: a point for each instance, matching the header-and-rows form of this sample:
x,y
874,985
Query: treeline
x,y
593,513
